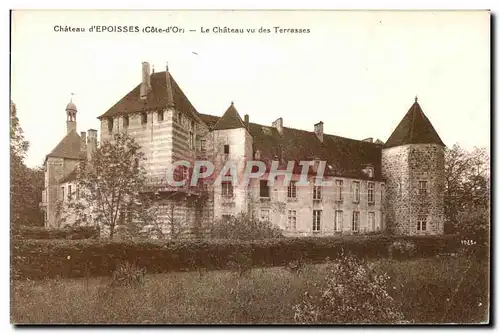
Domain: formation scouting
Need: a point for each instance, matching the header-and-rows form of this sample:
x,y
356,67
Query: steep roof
x,y
164,91
344,156
414,128
230,120
68,147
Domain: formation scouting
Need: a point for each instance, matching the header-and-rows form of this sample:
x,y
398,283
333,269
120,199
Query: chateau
x,y
396,186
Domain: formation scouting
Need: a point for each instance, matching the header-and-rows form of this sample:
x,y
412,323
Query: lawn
x,y
433,290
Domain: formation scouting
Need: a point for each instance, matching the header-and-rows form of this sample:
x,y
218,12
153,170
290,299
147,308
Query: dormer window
x,y
257,154
369,172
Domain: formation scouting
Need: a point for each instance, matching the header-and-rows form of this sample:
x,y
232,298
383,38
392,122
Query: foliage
x,y
110,186
49,258
352,293
424,288
127,275
26,184
244,227
467,191
77,232
402,249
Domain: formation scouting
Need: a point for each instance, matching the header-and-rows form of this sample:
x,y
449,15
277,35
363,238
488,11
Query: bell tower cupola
x,y
71,115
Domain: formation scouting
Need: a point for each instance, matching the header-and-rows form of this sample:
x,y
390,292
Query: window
x,y
227,189
292,220
316,220
371,221
382,193
369,172
339,184
125,122
264,189
69,192
292,189
226,149
161,115
191,140
264,215
193,126
226,218
355,221
144,118
339,214
77,192
371,192
422,223
355,192
110,125
203,145
62,193
316,192
422,187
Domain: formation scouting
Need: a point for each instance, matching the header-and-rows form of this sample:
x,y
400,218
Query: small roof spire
x,y
232,103
167,66
416,98
71,99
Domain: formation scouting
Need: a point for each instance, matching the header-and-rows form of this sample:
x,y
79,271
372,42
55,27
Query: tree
x,y
26,184
467,190
110,185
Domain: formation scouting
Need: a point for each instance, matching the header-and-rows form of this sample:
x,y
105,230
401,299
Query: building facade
x,y
369,185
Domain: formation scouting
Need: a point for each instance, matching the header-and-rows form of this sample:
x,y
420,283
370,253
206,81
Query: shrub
x,y
402,249
244,227
127,275
352,293
241,263
68,232
39,259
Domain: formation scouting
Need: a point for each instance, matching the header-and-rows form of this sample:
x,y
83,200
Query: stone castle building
x,y
396,186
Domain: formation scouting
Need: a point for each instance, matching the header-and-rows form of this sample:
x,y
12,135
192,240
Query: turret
x,y
413,166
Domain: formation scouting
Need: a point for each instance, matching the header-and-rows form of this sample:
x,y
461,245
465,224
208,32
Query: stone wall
x,y
279,204
404,167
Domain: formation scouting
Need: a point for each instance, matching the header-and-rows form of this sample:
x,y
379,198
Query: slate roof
x,y
344,156
414,128
68,147
158,98
230,120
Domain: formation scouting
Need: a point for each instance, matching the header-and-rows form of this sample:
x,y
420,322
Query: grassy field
x,y
433,290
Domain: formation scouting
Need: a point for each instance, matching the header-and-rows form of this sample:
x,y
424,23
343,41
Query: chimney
x,y
278,124
247,120
146,80
318,130
83,142
91,143
368,140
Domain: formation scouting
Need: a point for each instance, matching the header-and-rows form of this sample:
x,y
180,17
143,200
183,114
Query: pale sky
x,y
358,72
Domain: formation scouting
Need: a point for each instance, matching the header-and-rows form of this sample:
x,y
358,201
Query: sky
x,y
357,71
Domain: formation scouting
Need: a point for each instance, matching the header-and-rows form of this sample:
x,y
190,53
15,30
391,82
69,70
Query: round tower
x,y
413,166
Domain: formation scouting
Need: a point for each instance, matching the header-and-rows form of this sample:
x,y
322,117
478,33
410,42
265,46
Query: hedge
x,y
35,232
38,259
